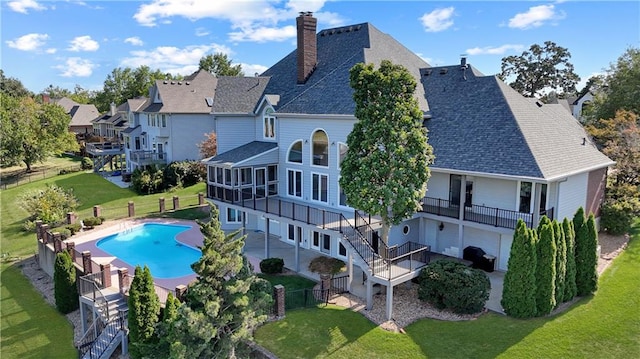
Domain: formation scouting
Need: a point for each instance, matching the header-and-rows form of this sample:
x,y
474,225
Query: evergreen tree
x,y
519,290
570,289
220,311
587,259
64,281
561,261
144,313
545,271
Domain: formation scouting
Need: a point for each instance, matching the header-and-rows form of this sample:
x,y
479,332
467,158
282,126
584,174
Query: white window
x,y
234,216
269,125
294,183
320,186
163,120
295,152
320,148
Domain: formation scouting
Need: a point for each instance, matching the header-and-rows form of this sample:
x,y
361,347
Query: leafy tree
x,y
519,287
32,132
12,87
385,170
64,281
545,271
587,258
144,313
561,261
209,147
539,68
570,289
620,89
79,94
50,205
221,310
220,65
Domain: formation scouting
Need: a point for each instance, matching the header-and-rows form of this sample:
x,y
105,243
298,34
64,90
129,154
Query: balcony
x,y
493,216
104,148
143,158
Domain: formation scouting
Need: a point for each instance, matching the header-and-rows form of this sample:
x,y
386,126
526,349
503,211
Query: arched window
x,y
295,152
320,148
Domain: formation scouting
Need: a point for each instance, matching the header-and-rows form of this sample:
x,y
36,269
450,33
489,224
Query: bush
x,y
271,265
64,279
63,231
616,216
546,270
92,221
147,181
451,285
73,228
183,174
86,163
50,205
519,287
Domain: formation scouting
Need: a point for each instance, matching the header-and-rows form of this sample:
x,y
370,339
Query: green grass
x,y
90,189
290,282
30,327
606,325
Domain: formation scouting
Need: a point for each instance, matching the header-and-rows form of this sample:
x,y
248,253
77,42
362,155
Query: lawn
x,y
31,328
606,325
11,176
290,282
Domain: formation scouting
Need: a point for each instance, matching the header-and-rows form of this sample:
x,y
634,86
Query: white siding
x,y
234,132
486,240
187,131
572,194
397,236
438,185
505,251
493,192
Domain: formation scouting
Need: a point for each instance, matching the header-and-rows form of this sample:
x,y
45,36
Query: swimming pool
x,y
154,245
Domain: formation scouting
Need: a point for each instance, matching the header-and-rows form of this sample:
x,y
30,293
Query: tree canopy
x,y
32,132
220,65
79,94
545,67
13,87
385,170
209,146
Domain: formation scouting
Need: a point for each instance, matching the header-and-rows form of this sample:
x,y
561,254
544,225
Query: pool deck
x,y
87,240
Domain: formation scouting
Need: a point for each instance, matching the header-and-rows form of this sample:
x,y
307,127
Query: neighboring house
x,y
499,157
81,115
581,104
109,125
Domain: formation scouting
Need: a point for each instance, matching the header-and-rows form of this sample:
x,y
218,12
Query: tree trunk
x,y
384,235
28,166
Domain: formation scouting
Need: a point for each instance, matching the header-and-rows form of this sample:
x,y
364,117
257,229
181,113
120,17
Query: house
x,y
581,104
499,157
81,114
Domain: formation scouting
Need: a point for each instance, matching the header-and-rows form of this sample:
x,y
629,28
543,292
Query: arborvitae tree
x,y
64,281
543,220
570,289
220,310
561,261
545,271
587,259
519,290
163,329
144,313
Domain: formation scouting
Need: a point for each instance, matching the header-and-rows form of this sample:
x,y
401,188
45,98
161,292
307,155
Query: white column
x,y
389,301
350,269
266,237
297,251
369,293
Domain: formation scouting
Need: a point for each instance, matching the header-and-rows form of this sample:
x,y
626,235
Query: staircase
x,y
100,161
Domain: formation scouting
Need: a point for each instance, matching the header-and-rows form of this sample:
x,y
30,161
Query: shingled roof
x,y
82,115
480,124
327,90
236,94
186,96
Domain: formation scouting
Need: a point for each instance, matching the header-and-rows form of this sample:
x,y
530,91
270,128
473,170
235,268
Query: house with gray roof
x,y
81,114
499,157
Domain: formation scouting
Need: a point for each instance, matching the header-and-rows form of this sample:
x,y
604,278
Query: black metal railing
x,y
440,207
95,344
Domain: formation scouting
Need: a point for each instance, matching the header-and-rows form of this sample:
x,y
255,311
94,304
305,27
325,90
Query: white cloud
x,y
51,50
76,67
29,42
135,41
23,6
183,61
438,19
83,43
252,69
489,50
536,16
201,31
264,34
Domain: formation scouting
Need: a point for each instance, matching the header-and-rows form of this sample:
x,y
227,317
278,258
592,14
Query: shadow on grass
x,y
91,190
31,328
202,213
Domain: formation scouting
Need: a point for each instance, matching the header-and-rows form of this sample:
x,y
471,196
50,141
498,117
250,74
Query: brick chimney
x,y
307,45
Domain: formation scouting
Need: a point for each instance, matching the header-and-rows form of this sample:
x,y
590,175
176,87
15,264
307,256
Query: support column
x,y
463,199
83,316
536,188
176,203
123,280
389,302
297,250
350,269
200,198
369,293
106,275
161,204
267,228
96,211
57,243
86,262
131,209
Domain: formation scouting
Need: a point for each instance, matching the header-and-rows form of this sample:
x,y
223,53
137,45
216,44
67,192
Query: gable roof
x,y
327,90
243,153
480,124
235,94
65,102
186,96
83,115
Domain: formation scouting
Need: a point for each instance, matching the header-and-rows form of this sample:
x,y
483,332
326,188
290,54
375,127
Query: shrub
x,y
616,216
587,259
86,163
326,265
561,261
92,221
144,313
64,279
73,228
570,289
63,231
451,285
50,205
519,287
545,270
147,181
271,265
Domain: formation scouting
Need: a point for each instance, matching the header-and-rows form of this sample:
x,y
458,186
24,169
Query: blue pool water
x,y
155,246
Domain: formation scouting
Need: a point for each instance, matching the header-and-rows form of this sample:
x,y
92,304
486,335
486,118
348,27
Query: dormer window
x,y
269,124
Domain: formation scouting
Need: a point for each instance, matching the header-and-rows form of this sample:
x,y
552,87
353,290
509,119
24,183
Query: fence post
x,y
44,229
86,262
161,204
97,211
176,203
132,209
181,291
278,294
106,275
200,198
38,229
71,246
71,218
57,243
123,279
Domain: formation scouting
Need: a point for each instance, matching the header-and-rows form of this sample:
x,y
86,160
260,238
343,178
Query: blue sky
x,y
65,43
